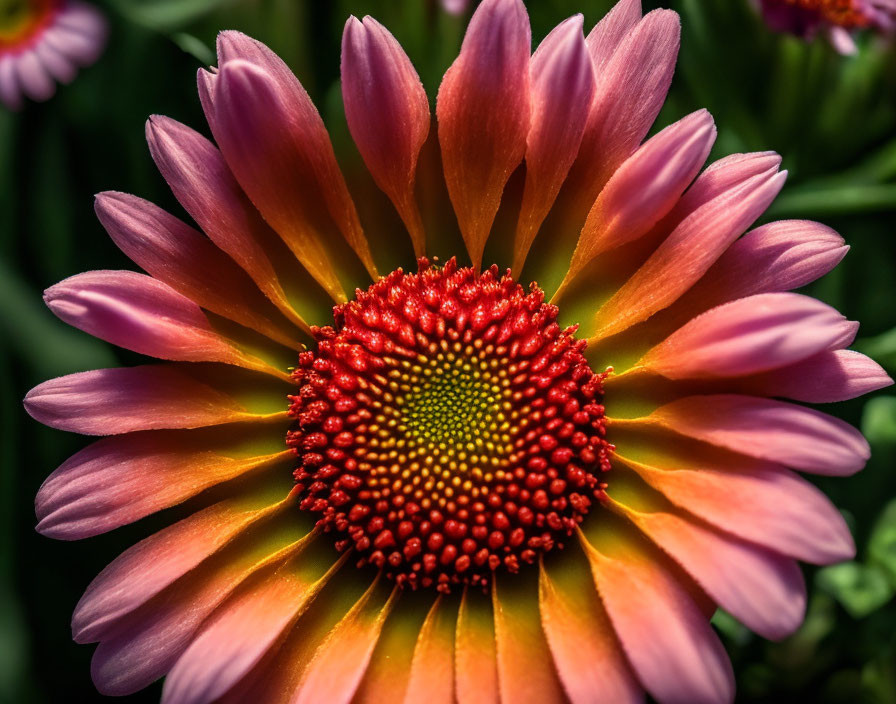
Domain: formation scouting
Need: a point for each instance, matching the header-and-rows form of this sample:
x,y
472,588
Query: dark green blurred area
x,y
833,119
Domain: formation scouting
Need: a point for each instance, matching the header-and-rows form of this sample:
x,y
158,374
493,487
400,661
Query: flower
x,y
837,18
45,41
451,485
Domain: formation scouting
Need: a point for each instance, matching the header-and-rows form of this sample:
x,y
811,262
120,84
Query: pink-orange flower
x,y
449,485
43,42
837,18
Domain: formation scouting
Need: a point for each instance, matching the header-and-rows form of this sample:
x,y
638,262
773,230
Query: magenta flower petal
x,y
759,502
825,378
626,209
750,335
801,438
562,85
122,400
388,114
483,113
606,36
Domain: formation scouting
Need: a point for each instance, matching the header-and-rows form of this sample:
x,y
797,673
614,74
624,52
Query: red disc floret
x,y
447,426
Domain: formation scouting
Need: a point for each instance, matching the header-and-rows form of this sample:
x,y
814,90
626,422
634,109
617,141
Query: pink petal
x,y
780,256
825,378
84,19
631,89
688,252
205,187
750,335
10,87
586,653
122,400
432,669
35,79
338,665
388,114
176,254
759,502
142,314
562,85
151,640
59,66
475,662
760,588
526,671
606,36
121,479
645,187
81,48
483,115
669,643
798,437
153,564
244,630
277,147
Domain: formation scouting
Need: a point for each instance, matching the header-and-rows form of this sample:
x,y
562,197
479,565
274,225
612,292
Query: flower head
x,y
43,42
838,18
524,465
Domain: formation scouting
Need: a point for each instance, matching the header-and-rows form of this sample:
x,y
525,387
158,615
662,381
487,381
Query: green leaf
x,y
879,420
195,47
882,348
167,15
882,544
731,628
860,589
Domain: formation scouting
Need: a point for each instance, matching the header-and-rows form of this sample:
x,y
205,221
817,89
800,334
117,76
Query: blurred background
x,y
832,117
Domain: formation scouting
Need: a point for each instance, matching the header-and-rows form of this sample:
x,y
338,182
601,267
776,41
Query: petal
x,y
203,184
36,81
389,670
122,400
278,149
246,627
150,640
798,437
645,188
144,315
643,598
146,569
176,254
825,378
750,335
562,85
759,502
475,656
10,86
338,665
760,588
388,114
525,668
604,39
432,669
59,66
631,88
586,653
483,115
687,253
121,479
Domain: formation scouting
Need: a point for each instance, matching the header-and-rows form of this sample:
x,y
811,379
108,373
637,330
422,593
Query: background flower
x,y
834,653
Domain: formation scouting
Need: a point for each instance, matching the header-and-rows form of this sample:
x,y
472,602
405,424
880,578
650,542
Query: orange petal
x,y
525,667
588,657
340,661
475,651
432,669
483,116
668,640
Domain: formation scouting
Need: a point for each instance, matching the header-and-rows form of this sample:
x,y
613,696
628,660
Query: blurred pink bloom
x,y
43,42
455,7
835,18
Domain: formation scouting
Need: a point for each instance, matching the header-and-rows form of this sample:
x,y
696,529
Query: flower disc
x,y
448,427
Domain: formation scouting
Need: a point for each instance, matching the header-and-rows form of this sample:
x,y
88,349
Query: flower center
x,y
447,427
846,13
19,19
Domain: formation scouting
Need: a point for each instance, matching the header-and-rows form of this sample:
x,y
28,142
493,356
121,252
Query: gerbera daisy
x,y
837,18
525,464
43,42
